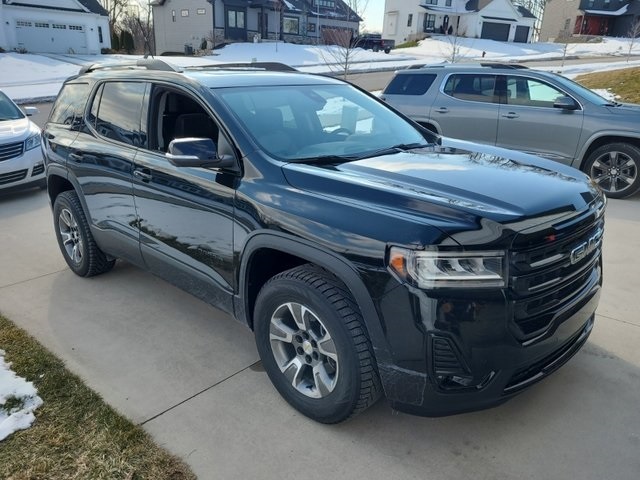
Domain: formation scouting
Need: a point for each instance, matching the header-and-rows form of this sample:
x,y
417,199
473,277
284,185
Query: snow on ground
x,y
13,387
27,76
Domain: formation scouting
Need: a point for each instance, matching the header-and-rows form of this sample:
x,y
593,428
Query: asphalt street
x,y
190,375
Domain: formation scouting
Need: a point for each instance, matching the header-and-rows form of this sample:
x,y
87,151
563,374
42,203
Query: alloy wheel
x,y
70,235
614,171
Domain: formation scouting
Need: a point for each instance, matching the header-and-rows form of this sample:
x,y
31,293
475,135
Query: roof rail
x,y
268,66
148,63
514,66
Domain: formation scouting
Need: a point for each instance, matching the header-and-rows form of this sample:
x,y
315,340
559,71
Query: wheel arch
x,y
602,140
285,252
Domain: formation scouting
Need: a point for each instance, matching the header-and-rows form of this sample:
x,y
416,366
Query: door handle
x,y
510,115
442,110
142,175
76,157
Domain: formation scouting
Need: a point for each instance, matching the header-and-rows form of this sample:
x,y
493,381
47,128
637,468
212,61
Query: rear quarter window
x,y
410,84
69,106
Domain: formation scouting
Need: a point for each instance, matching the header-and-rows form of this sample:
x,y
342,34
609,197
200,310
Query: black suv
x,y
367,256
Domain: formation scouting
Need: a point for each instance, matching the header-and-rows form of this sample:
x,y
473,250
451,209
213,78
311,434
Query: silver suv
x,y
529,110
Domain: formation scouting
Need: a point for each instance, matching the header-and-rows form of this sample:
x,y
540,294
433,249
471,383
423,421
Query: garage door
x,y
51,37
522,34
495,31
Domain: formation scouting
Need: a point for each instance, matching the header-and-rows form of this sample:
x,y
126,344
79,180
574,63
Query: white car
x,y
21,161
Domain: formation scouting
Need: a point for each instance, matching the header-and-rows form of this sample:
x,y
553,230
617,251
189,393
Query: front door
x,y
185,215
235,23
529,122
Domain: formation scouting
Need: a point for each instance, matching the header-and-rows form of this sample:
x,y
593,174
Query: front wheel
x,y
614,168
314,346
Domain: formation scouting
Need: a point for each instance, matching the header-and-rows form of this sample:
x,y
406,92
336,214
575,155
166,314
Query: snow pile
x,y
442,47
19,392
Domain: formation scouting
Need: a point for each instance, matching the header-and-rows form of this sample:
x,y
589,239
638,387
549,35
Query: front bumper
x,y
25,171
463,355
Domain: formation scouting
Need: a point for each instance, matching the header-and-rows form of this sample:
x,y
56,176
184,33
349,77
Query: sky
x,y
374,16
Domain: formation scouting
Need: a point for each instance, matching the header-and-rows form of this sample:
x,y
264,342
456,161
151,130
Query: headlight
x,y
32,142
436,269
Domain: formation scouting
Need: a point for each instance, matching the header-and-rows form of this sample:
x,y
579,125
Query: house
x,y
54,26
492,19
183,24
565,18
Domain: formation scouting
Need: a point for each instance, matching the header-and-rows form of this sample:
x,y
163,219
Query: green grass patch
x,y
412,43
75,435
625,83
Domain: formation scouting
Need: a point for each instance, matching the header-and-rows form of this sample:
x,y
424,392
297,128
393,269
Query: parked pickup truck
x,y
373,41
369,256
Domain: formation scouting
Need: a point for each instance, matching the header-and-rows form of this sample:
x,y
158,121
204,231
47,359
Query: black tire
x,y
614,167
355,384
78,248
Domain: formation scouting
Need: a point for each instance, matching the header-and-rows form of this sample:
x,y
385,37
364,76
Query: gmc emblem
x,y
586,248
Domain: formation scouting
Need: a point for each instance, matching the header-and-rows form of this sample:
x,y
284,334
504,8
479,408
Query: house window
x,y
173,15
42,25
77,28
235,19
590,4
291,25
201,11
429,23
410,20
431,2
22,23
324,3
311,27
447,3
567,23
59,27
184,12
100,33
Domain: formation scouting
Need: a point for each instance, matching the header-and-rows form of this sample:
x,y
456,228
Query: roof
x,y
524,11
608,13
90,6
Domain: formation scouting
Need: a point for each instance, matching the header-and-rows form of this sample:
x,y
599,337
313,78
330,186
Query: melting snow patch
x,y
18,400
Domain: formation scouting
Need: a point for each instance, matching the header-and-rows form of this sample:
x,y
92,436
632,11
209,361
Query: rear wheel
x,y
614,168
313,345
75,239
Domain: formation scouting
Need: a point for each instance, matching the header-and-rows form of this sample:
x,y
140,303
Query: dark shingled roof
x,y
92,5
524,12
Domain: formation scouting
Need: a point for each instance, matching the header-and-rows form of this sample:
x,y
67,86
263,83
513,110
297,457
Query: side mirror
x,y
29,111
197,152
565,103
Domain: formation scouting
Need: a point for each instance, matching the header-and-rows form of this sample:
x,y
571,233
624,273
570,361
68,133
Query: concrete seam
x,y
198,393
618,320
31,279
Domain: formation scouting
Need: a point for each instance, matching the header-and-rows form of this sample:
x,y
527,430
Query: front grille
x,y
37,170
12,177
11,150
554,271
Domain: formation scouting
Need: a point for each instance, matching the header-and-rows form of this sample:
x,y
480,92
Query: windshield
x,y
584,92
8,109
304,122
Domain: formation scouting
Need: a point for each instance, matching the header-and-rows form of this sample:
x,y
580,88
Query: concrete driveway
x,y
191,376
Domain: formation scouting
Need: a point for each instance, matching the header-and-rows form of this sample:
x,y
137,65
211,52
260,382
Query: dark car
x,y
373,41
368,257
529,110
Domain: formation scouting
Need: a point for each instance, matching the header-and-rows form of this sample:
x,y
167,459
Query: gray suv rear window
x,y
473,87
410,84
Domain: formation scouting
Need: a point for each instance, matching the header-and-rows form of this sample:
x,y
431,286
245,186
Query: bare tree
x,y
634,33
341,52
117,10
141,29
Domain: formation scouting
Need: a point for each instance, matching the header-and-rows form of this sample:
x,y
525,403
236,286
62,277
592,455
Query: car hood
x,y
16,130
625,109
454,182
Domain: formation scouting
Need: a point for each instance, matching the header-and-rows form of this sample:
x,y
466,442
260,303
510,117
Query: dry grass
x,y
625,83
76,435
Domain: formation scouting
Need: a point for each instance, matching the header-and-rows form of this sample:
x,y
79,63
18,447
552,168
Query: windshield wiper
x,y
333,159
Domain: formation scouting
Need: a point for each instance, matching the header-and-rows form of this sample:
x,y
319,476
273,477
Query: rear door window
x,y
531,92
472,87
116,112
410,84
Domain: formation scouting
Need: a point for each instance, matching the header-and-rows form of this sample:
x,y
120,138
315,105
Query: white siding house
x,y
54,26
407,20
